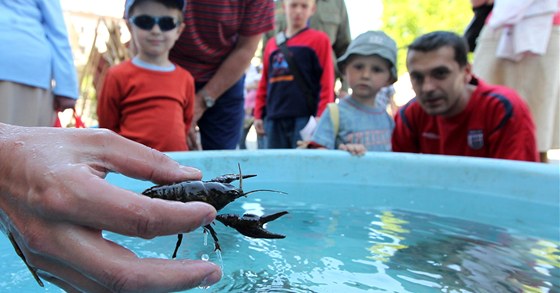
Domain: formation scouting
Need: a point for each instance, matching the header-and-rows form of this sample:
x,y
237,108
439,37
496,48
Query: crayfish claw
x,y
251,225
269,218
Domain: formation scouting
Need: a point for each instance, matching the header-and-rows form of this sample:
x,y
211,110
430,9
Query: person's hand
x,y
356,149
54,203
62,103
193,140
199,107
259,126
341,94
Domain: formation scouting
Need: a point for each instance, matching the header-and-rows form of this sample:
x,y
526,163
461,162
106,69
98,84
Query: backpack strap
x,y
335,117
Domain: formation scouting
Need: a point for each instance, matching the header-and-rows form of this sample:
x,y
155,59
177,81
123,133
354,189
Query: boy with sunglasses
x,y
149,99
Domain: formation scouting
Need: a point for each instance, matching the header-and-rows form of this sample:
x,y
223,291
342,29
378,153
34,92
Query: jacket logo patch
x,y
475,139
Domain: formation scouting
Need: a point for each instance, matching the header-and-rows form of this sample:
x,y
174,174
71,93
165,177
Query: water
x,y
352,247
352,239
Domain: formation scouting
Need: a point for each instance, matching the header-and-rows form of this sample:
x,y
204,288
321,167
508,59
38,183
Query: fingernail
x,y
208,219
191,171
210,279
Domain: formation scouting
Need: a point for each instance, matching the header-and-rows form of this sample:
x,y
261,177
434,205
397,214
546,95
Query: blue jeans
x,y
219,126
283,133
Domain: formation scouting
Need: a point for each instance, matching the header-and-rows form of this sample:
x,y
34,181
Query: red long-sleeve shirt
x,y
154,108
495,124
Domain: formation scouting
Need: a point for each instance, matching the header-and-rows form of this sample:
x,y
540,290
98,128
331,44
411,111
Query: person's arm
x,y
513,136
188,114
343,37
229,72
403,138
54,204
64,72
327,78
260,100
108,113
324,136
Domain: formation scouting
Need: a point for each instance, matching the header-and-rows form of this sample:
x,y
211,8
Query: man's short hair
x,y
435,40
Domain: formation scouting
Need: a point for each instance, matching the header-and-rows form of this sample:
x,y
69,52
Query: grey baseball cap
x,y
129,3
372,43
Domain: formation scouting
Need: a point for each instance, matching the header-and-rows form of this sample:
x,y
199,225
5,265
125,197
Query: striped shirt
x,y
212,28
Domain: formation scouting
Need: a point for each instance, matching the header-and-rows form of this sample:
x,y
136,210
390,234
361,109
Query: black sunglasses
x,y
147,22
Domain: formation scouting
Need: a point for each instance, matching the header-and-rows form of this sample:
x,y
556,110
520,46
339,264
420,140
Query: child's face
x,y
154,43
366,75
298,12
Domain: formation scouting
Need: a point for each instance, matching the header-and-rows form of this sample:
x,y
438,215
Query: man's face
x,y
438,81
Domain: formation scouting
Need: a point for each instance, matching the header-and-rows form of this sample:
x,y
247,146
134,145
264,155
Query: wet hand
x,y
55,203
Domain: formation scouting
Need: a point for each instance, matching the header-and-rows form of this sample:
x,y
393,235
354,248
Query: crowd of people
x,y
187,78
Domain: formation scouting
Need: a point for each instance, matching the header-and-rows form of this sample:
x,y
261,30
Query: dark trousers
x,y
283,133
219,126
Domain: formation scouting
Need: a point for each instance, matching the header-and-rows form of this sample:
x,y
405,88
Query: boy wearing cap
x,y
368,65
281,91
149,99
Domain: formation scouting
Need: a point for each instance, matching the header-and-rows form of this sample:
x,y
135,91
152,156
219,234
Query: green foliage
x,y
405,20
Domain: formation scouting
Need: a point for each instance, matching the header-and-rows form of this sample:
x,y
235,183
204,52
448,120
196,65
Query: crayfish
x,y
218,192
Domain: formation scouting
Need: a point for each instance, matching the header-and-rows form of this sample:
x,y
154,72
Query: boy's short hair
x,y
372,43
437,39
179,4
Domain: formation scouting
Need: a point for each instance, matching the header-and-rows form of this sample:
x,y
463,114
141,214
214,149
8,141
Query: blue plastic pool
x,y
384,222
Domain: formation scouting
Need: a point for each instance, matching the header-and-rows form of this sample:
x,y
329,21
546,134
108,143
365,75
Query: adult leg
x,y
26,105
219,126
536,81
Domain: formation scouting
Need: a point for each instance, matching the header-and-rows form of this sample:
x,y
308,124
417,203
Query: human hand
x,y
62,103
342,94
199,107
356,149
259,126
193,139
55,203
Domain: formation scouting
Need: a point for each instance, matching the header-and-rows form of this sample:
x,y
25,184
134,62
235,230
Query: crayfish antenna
x,y
240,176
269,190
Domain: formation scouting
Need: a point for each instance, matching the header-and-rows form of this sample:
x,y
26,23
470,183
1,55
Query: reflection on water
x,y
459,256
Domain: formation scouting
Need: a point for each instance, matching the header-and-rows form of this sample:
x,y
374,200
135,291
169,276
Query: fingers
x,y
120,270
354,149
259,126
96,203
193,140
138,161
81,260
